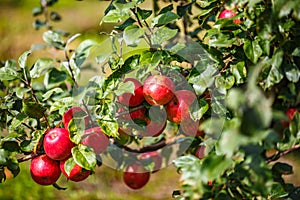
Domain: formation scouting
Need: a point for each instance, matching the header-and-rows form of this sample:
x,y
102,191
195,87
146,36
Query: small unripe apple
x,y
227,13
135,99
96,139
76,174
135,176
73,112
158,89
57,144
44,170
178,108
152,157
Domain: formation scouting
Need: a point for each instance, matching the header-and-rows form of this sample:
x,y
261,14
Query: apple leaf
x,y
132,35
9,71
127,87
85,157
162,35
69,165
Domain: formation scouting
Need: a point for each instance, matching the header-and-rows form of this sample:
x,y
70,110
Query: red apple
x,y
57,144
96,139
290,114
178,108
77,173
74,111
191,128
44,170
152,157
158,89
129,99
154,128
135,176
227,13
200,152
131,115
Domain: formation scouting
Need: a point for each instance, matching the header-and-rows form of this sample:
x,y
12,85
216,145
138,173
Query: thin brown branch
x,y
283,153
28,157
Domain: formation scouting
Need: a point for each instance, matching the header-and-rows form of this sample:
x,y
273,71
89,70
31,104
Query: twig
x,y
28,157
283,153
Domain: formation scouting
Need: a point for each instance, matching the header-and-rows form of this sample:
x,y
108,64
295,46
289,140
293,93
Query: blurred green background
x,y
18,35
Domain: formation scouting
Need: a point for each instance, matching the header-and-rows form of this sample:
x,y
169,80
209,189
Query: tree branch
x,y
283,153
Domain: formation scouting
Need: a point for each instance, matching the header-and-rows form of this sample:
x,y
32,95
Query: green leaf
x,y
164,19
33,109
252,50
143,14
292,72
225,82
76,127
162,35
85,157
115,16
275,75
49,93
205,79
198,110
184,161
23,59
239,72
213,166
54,39
132,35
41,66
9,71
127,87
69,165
221,40
18,120
54,78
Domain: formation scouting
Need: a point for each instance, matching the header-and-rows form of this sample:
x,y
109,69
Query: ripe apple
x,y
290,114
136,114
154,128
76,174
191,128
227,13
96,139
178,108
200,152
44,170
135,176
57,144
129,99
74,111
152,157
158,89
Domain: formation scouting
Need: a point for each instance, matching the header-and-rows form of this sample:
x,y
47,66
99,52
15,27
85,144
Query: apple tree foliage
x,y
245,74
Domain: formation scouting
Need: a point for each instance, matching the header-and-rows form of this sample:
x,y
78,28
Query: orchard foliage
x,y
243,69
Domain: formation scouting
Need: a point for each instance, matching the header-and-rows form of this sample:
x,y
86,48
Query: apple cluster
x,y
46,169
154,103
145,113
